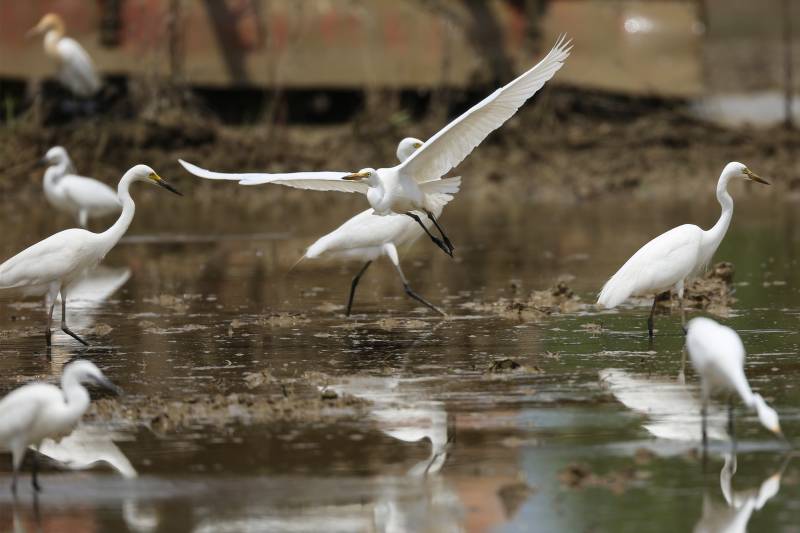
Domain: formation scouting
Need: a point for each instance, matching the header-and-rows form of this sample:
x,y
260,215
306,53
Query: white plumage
x,y
61,259
75,70
38,411
666,262
367,237
79,196
717,355
412,185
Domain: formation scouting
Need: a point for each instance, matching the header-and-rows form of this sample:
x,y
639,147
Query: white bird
x,y
367,237
75,69
416,185
37,411
666,262
717,355
60,260
76,195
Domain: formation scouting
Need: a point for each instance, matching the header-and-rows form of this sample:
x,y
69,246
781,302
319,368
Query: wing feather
x,y
451,145
315,181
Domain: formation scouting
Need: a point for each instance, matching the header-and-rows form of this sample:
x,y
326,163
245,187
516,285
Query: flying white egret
x,y
60,260
717,355
367,237
667,261
416,184
75,69
37,411
76,195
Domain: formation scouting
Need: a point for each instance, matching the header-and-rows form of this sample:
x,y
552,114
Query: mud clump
x,y
166,415
283,320
579,476
512,497
713,292
559,299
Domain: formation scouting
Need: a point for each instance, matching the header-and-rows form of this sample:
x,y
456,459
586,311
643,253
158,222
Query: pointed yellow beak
x,y
356,176
752,176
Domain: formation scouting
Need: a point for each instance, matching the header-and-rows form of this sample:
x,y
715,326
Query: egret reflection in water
x,y
733,516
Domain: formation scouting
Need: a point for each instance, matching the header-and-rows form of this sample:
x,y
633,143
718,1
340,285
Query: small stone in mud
x,y
513,496
282,320
102,330
504,365
256,379
329,394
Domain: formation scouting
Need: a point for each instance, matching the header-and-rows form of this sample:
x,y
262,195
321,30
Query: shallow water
x,y
593,432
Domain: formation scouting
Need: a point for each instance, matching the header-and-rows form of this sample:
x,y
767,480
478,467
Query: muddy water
x,y
593,431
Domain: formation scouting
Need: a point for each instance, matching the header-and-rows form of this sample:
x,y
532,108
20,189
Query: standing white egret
x,y
367,237
37,411
76,195
717,355
75,69
60,260
667,261
416,184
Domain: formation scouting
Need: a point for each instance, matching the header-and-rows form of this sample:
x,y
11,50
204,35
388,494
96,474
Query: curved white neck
x,y
112,235
76,396
51,39
55,172
713,237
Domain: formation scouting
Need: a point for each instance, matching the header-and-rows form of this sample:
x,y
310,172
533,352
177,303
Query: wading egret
x,y
717,355
667,261
37,411
416,184
76,195
366,237
60,260
75,69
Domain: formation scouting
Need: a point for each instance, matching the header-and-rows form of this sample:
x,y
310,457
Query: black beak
x,y
106,384
169,187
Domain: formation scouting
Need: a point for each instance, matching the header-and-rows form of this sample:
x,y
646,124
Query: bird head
x,y
145,173
83,371
767,415
738,170
51,21
55,156
407,146
369,175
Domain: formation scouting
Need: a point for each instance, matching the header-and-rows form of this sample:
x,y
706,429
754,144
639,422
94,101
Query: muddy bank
x,y
566,146
265,400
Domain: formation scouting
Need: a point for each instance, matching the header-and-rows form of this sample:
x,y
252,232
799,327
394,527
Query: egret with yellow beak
x,y
59,260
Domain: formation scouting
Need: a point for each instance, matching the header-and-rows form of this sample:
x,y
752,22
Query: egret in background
x,y
76,195
75,70
416,185
667,261
717,355
60,260
37,411
367,237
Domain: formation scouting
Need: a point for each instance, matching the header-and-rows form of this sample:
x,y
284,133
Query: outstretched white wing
x,y
316,181
451,145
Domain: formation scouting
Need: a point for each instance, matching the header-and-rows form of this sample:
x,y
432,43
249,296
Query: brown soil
x,y
566,146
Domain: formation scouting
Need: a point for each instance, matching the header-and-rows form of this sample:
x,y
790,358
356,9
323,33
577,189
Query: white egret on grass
x,y
60,260
37,411
416,185
717,355
667,261
76,195
367,237
75,69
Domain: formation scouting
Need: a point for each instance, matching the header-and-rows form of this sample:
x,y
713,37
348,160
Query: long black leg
x,y
48,333
354,285
64,327
650,318
422,300
441,231
703,414
436,240
35,472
